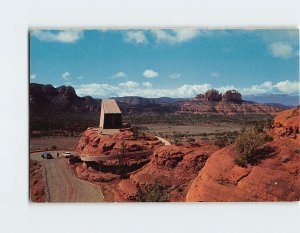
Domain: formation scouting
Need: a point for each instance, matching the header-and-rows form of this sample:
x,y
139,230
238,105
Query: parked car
x,y
47,155
67,154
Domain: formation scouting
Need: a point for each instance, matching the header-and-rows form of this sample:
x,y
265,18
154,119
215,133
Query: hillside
x,y
59,111
46,98
274,178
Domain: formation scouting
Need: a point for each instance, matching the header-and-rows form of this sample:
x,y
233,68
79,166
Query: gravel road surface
x,y
62,183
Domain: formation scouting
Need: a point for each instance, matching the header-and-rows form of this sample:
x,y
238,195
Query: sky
x,y
171,62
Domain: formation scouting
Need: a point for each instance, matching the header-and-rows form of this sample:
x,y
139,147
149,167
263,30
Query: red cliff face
x,y
93,143
226,108
275,178
174,166
229,103
286,124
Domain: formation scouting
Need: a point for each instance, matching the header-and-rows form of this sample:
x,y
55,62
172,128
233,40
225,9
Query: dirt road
x,y
63,185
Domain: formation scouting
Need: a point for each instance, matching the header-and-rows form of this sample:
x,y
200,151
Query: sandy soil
x,y
63,185
194,131
45,143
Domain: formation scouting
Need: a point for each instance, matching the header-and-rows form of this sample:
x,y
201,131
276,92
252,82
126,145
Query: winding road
x,y
62,183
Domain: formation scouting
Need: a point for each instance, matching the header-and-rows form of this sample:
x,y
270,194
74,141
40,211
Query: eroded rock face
x,y
88,173
275,178
93,143
212,95
38,188
225,108
175,167
232,95
286,124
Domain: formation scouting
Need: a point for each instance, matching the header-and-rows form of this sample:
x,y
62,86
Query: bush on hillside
x,y
152,193
247,145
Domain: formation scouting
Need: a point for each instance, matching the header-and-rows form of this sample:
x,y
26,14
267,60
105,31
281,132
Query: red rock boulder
x,y
275,178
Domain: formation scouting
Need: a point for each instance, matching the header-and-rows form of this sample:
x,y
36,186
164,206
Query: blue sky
x,y
174,63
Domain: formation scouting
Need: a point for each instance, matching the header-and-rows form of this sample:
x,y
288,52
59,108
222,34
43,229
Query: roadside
x,y
62,183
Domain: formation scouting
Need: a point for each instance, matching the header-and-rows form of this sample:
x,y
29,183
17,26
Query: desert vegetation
x,y
152,193
248,143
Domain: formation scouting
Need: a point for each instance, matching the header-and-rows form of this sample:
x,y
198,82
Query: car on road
x,y
47,155
67,154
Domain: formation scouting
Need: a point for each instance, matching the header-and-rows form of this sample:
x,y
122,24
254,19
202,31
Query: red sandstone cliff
x,y
275,178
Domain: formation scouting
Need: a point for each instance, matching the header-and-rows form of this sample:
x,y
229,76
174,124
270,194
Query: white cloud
x,y
150,73
147,84
288,86
80,77
136,37
120,75
175,36
215,74
281,50
285,87
64,36
129,84
131,88
174,75
97,90
33,76
66,76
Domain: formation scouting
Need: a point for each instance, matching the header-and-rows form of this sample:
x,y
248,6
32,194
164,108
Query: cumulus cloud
x,y
66,76
174,75
136,37
146,89
33,76
288,86
120,75
215,74
147,84
129,84
150,73
175,36
64,36
281,50
131,88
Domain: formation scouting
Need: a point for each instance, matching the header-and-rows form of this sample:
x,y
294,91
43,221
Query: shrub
x,y
152,193
221,141
247,144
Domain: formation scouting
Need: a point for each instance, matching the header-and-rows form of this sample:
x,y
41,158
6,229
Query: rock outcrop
x,y
233,96
275,178
174,167
38,188
286,124
212,95
93,143
225,108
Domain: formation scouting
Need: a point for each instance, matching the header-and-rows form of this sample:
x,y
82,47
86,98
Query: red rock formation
x,y
93,143
88,173
275,178
225,108
212,95
38,189
232,95
174,166
286,124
